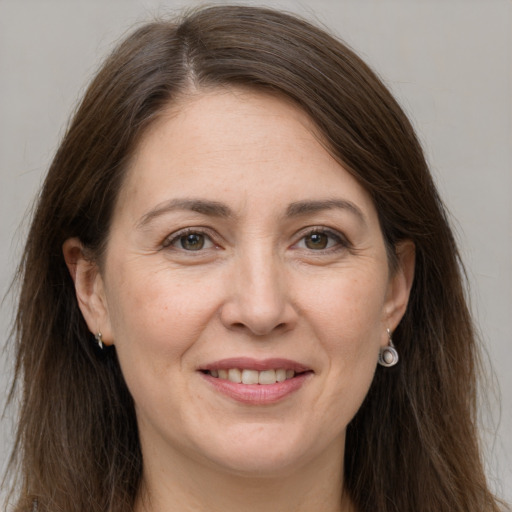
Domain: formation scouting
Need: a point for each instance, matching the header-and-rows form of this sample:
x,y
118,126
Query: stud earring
x,y
388,356
99,340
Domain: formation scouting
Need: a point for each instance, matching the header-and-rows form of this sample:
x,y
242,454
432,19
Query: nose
x,y
259,296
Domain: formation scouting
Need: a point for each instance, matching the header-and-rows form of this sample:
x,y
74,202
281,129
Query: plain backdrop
x,y
449,62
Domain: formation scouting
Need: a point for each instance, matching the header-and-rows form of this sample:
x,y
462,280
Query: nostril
x,y
240,326
258,318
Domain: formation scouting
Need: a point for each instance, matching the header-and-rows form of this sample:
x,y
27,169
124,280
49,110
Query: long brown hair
x,y
413,444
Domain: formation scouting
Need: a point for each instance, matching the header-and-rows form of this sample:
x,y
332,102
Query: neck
x,y
180,487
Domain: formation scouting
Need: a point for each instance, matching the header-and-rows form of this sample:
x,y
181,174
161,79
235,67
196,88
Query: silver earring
x,y
99,340
388,356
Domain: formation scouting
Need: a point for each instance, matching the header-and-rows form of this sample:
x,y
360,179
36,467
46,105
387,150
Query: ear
x,y
89,288
400,284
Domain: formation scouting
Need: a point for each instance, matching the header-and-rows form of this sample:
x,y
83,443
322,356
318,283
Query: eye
x,y
316,241
189,241
321,240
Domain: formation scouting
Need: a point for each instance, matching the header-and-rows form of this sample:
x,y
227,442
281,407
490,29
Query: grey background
x,y
449,62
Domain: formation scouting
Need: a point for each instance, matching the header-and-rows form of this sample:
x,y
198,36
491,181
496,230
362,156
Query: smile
x,y
256,382
265,377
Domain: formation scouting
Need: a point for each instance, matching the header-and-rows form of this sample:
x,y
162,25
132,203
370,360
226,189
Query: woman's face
x,y
240,249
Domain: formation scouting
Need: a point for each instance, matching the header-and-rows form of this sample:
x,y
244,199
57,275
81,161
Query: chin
x,y
263,451
250,465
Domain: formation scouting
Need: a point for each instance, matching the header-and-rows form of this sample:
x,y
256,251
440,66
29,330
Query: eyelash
x,y
340,242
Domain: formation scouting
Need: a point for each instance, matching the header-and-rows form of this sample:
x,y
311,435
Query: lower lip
x,y
258,394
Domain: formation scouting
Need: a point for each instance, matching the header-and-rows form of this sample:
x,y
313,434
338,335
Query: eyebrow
x,y
210,208
300,208
217,209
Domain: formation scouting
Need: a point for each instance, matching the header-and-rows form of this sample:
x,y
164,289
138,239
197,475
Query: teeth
x,y
267,377
249,377
235,375
253,376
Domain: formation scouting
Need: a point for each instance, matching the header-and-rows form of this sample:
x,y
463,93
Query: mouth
x,y
255,381
249,376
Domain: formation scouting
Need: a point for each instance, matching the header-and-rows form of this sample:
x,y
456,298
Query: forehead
x,y
234,144
230,118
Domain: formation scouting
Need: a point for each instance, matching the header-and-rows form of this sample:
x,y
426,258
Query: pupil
x,y
316,241
192,242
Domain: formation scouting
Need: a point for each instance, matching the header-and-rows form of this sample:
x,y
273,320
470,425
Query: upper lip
x,y
248,363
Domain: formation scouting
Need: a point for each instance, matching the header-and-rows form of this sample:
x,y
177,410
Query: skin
x,y
262,286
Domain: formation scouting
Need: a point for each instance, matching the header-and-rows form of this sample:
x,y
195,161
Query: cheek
x,y
156,315
348,322
348,314
157,318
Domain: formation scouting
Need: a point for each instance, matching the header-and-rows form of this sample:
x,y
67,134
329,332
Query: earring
x,y
99,340
388,356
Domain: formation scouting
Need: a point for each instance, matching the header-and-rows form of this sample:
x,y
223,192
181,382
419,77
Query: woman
x,y
240,289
